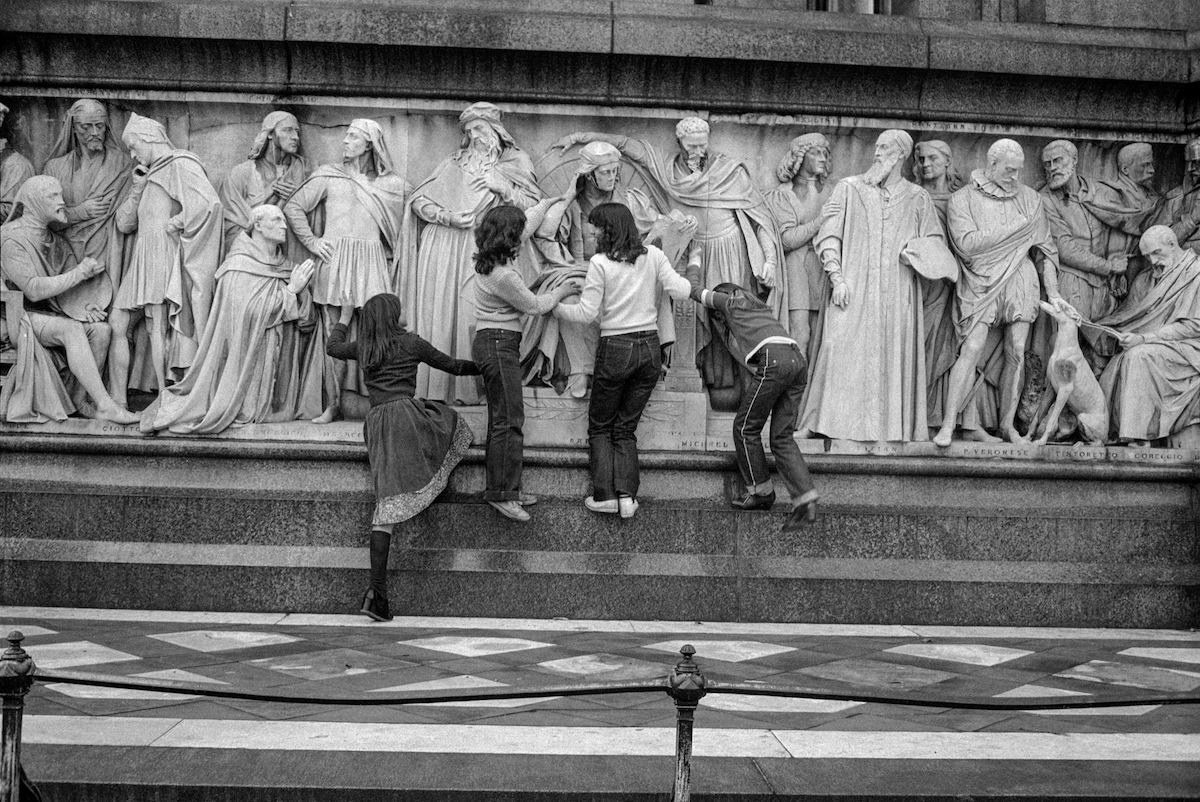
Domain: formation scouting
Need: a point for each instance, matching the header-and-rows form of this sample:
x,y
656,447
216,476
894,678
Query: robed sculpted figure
x,y
1153,383
868,380
1002,237
796,203
1180,207
271,174
15,170
359,247
175,216
41,264
488,169
735,241
242,372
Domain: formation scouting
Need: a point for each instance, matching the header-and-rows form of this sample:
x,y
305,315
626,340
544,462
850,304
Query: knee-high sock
x,y
381,544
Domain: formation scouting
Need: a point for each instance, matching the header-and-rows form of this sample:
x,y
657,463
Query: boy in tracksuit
x,y
778,367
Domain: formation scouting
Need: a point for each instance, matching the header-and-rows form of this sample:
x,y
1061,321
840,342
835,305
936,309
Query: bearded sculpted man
x,y
176,215
803,175
487,170
1127,206
41,264
1180,209
93,170
360,248
868,380
735,242
1000,232
15,170
272,173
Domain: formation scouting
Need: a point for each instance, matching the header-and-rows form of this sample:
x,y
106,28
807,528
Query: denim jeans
x,y
497,352
627,368
775,387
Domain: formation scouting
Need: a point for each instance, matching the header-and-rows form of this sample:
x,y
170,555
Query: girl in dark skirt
x,y
412,443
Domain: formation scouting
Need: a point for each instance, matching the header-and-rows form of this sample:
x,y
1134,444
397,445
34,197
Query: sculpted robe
x,y
106,178
1153,389
247,368
440,292
1083,241
249,185
868,380
177,268
807,283
15,170
1181,202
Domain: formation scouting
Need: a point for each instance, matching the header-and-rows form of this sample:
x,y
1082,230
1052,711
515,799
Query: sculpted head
x,y
1059,161
601,163
891,149
1136,162
1160,245
808,157
41,200
931,161
284,130
482,131
89,123
145,138
1005,160
268,224
356,143
692,135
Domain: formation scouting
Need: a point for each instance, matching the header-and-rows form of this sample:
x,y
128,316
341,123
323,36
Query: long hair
x,y
379,328
498,237
618,237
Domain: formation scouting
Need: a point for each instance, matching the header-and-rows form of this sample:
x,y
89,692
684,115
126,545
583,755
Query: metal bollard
x,y
686,687
16,678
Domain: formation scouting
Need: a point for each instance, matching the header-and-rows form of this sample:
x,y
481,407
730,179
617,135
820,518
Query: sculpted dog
x,y
1074,384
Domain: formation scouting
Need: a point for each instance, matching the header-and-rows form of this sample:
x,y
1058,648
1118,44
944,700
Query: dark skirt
x,y
412,445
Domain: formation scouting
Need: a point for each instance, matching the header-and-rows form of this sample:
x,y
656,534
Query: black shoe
x,y
754,501
801,517
375,605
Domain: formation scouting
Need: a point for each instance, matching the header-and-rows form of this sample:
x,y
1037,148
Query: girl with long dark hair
x,y
624,285
412,443
501,297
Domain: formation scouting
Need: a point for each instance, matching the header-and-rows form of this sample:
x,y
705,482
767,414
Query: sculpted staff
x,y
93,170
361,247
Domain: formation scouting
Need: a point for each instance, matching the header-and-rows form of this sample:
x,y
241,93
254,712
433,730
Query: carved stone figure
x,y
735,242
273,171
868,380
93,170
176,215
243,371
804,187
360,247
1181,206
15,170
40,263
1000,232
1153,384
1083,240
1126,206
487,169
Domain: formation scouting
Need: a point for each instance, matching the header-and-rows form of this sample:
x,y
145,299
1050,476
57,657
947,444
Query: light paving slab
x,y
211,640
990,746
729,651
103,730
28,630
327,664
604,666
969,653
467,646
179,675
97,692
464,682
1134,676
1177,655
1033,691
737,702
876,674
1132,710
77,653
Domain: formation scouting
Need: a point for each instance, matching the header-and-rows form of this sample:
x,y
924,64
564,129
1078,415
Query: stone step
x,y
183,525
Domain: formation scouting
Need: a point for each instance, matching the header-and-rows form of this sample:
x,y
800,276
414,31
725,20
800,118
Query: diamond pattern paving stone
x,y
96,692
1031,691
179,675
1134,676
1178,655
214,640
604,666
729,651
28,630
742,703
969,653
885,676
75,653
474,646
463,682
327,664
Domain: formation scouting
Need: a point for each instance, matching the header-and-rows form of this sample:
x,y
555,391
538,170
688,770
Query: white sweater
x,y
625,296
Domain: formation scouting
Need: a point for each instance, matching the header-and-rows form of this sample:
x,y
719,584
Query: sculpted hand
x,y
139,178
1128,341
89,267
841,293
497,184
283,188
93,207
768,276
347,314
566,142
174,225
462,220
1117,264
94,314
323,249
301,275
690,225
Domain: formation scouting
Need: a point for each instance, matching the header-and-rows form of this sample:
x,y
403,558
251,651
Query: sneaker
x,y
754,501
628,506
609,506
527,500
510,509
801,517
375,606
